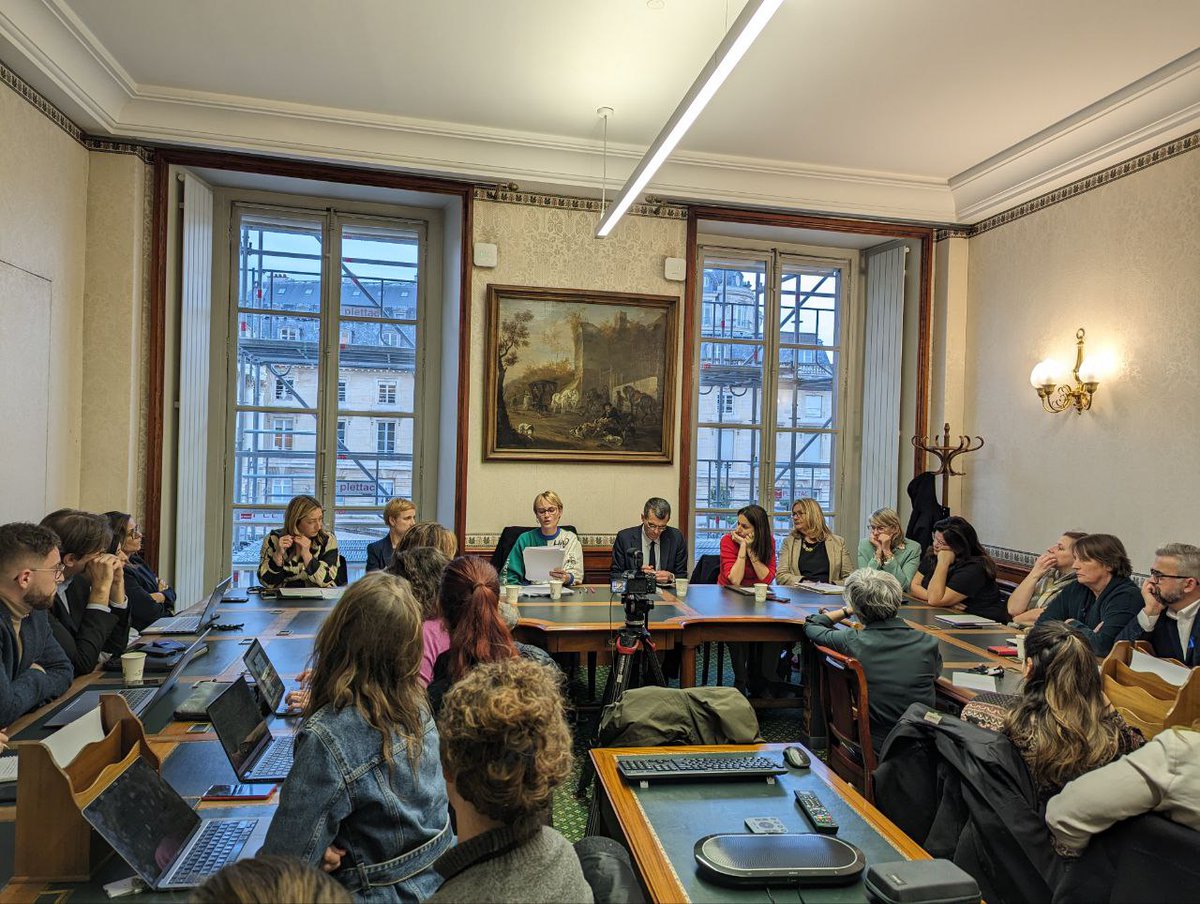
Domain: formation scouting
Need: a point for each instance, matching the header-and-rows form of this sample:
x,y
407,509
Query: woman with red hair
x,y
470,600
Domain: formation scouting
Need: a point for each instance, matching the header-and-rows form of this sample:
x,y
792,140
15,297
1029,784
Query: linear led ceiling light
x,y
747,27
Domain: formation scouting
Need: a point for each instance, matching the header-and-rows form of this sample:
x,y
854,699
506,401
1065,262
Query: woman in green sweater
x,y
548,508
885,548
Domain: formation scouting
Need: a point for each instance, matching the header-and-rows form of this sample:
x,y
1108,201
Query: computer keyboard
x,y
219,843
180,624
698,767
276,759
135,696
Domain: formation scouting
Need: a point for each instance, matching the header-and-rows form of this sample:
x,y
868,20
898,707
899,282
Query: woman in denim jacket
x,y
365,799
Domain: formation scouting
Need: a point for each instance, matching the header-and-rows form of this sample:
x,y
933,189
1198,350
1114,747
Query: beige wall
x,y
43,197
114,353
1122,261
557,248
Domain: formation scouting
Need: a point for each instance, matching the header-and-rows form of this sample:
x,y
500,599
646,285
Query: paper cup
x,y
556,590
511,592
1019,643
132,667
760,592
681,586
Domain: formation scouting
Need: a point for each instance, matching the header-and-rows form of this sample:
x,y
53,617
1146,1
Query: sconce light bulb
x,y
1089,371
1044,373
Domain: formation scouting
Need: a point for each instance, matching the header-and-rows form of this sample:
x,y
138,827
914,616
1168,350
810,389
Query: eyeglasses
x,y
59,570
1158,576
545,511
650,525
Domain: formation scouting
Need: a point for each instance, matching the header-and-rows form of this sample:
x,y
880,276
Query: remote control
x,y
821,821
766,825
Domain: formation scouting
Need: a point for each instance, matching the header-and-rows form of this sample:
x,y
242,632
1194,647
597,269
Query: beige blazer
x,y
788,574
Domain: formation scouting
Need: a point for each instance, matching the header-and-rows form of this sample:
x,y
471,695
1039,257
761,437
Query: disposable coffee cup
x,y
556,590
681,586
511,592
1019,643
132,667
760,592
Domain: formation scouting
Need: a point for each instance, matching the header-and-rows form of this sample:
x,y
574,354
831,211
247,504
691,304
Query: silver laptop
x,y
269,687
139,699
190,624
159,835
243,730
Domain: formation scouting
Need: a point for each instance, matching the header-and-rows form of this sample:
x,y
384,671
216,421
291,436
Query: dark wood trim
x,y
812,221
466,301
687,413
152,517
1010,571
924,351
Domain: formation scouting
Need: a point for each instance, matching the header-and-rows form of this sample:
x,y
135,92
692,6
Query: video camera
x,y
633,581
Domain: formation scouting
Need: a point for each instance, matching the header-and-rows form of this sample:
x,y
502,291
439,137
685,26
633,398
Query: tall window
x,y
768,412
308,340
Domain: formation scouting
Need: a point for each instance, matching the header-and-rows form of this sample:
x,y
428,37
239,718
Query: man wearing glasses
x,y
664,550
33,668
1171,598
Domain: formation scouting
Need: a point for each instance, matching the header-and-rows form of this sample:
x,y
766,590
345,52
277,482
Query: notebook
x,y
966,621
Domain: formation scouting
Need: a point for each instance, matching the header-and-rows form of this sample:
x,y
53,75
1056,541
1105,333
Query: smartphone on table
x,y
253,791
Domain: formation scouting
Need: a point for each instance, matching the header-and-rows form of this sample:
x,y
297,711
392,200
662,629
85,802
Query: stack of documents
x,y
966,621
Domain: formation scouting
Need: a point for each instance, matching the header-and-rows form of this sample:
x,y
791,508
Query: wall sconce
x,y
1055,398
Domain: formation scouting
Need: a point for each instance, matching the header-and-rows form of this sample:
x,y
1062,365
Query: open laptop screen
x,y
144,820
239,723
270,685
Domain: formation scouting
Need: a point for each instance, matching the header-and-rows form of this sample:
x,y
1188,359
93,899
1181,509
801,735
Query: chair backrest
x,y
508,539
847,712
343,575
707,570
608,870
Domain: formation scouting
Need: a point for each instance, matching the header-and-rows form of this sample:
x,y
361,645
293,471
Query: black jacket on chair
x,y
926,510
964,793
672,551
707,570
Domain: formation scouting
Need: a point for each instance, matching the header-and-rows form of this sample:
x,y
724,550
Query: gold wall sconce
x,y
1058,397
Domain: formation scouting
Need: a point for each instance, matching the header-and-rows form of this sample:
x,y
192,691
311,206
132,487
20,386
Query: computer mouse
x,y
796,757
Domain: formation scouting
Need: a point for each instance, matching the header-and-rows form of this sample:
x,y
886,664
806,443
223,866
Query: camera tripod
x,y
634,665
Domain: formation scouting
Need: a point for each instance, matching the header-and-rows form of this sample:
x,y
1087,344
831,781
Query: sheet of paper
x,y
821,587
1167,671
541,560
301,592
543,590
8,769
65,744
973,680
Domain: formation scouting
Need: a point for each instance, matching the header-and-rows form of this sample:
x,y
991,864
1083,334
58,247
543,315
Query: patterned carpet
x,y
571,813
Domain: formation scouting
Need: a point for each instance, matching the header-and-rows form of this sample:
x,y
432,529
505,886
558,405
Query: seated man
x,y
1170,600
33,668
90,618
664,550
902,664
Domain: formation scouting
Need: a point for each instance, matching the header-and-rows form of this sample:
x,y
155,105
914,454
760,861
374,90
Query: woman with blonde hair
x,y
884,548
365,799
812,552
267,880
548,509
399,515
429,533
301,553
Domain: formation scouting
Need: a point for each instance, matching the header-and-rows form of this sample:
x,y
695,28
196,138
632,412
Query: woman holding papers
x,y
812,552
302,553
548,508
957,573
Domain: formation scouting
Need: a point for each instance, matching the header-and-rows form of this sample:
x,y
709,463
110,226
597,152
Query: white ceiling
x,y
936,110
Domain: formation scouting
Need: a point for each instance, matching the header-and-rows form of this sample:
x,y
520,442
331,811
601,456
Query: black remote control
x,y
822,822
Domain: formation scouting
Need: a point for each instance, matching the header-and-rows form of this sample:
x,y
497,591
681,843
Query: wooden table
x,y
660,824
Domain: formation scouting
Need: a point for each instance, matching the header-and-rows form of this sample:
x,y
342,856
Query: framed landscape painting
x,y
576,375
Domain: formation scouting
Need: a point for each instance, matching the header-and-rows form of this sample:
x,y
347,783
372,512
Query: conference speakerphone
x,y
792,859
698,767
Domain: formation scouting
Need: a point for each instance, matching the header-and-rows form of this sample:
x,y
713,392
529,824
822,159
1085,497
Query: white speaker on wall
x,y
485,255
675,269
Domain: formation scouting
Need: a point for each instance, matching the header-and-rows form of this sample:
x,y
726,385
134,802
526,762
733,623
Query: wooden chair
x,y
847,714
1146,701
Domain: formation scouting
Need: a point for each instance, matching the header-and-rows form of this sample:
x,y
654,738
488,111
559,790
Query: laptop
x,y
159,835
190,624
139,699
270,686
239,722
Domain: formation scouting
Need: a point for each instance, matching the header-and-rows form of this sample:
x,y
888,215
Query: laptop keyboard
x,y
180,624
276,760
136,696
219,843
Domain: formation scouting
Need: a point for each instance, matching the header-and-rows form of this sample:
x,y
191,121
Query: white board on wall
x,y
24,368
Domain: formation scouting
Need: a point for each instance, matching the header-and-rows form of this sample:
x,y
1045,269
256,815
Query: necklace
x,y
806,546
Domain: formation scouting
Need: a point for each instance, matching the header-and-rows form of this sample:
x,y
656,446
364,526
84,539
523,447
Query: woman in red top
x,y
748,557
748,551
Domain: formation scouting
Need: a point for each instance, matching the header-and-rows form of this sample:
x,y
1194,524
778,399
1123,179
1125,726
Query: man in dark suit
x,y
1171,598
663,548
901,663
90,616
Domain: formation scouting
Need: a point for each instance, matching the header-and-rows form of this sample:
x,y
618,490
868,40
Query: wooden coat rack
x,y
946,454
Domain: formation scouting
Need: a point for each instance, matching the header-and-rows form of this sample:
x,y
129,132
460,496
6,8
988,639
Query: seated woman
x,y
429,533
902,664
748,558
812,552
505,748
365,799
470,599
1062,723
958,573
399,515
302,553
1051,574
423,568
150,597
1103,600
886,549
261,879
548,508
